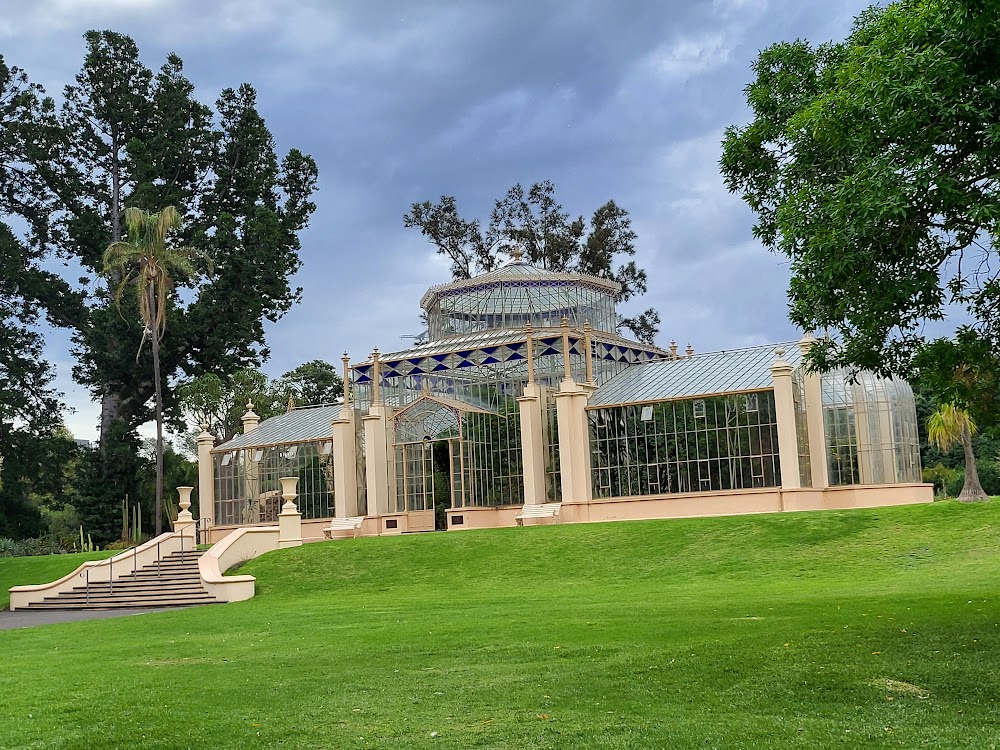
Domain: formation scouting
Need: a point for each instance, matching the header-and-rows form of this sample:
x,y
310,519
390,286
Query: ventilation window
x,y
326,448
752,403
290,453
699,408
258,454
227,458
647,414
458,520
391,523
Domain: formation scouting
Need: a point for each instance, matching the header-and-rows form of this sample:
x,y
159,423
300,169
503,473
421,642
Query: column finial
x,y
346,359
376,378
567,369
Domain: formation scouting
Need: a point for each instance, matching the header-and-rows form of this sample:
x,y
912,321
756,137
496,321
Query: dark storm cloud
x,y
406,101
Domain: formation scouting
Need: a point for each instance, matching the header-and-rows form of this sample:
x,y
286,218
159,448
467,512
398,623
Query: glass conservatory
x,y
525,395
247,468
482,333
710,424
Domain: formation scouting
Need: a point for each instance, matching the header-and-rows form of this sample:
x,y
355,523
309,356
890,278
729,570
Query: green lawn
x,y
864,629
20,571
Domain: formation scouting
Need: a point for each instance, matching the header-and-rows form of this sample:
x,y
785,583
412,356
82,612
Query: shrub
x,y
31,547
941,477
10,548
989,477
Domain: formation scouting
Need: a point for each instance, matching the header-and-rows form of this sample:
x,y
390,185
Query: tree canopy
x,y
123,136
535,224
874,165
221,403
315,382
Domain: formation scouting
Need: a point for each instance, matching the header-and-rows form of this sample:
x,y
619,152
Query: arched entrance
x,y
430,456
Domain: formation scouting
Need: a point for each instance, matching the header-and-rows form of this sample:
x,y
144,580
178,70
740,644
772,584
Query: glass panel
x,y
870,428
247,490
691,445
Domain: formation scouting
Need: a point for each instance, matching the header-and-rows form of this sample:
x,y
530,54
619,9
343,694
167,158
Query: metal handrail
x,y
135,552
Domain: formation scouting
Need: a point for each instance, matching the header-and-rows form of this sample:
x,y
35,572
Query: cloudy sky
x,y
407,100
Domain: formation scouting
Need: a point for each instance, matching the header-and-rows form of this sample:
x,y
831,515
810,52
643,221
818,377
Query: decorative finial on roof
x,y
690,351
291,403
517,254
249,404
806,342
780,351
673,349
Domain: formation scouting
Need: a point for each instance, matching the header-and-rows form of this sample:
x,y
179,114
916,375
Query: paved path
x,y
28,618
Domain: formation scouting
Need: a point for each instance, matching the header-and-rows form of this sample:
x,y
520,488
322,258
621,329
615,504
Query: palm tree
x,y
146,261
948,425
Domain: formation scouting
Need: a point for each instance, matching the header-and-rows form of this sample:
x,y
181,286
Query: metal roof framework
x,y
517,273
714,373
307,424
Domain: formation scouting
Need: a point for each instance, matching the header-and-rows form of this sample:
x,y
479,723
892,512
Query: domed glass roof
x,y
517,294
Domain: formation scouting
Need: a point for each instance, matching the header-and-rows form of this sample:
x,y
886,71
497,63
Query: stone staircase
x,y
174,581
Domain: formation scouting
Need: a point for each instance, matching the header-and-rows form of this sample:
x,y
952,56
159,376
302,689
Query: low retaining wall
x,y
638,507
312,530
695,504
237,547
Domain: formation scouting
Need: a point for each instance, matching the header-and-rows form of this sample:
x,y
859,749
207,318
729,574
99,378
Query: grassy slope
x,y
753,632
21,571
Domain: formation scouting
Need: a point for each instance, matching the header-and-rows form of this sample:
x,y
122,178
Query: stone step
x,y
152,575
124,604
133,589
172,582
151,593
154,600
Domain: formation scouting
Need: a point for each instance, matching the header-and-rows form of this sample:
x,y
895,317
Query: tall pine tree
x,y
123,136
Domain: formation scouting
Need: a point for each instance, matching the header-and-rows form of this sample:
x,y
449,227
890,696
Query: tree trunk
x,y
111,402
972,490
155,336
111,409
116,190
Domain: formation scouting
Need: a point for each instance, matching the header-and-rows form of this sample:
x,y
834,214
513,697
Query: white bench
x,y
352,524
545,510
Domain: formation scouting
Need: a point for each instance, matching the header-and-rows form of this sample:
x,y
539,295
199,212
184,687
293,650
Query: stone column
x,y
574,432
345,454
574,442
784,413
289,519
377,459
376,427
531,406
206,477
345,462
813,395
